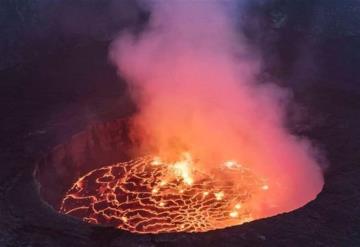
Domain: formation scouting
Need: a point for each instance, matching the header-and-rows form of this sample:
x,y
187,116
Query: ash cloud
x,y
193,76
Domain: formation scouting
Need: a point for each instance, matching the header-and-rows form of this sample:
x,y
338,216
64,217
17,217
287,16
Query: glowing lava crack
x,y
148,196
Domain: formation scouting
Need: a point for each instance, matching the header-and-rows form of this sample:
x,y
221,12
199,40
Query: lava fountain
x,y
220,151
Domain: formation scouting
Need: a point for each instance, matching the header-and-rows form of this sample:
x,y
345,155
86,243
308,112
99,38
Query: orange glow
x,y
134,196
183,167
265,187
196,83
234,214
219,195
238,206
224,154
231,164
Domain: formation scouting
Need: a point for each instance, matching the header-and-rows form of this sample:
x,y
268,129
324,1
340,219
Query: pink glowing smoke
x,y
192,75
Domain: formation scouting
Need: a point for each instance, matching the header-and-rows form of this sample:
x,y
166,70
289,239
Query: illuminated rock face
x,y
90,149
148,196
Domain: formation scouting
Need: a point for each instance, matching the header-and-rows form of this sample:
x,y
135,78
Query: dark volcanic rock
x,y
100,144
30,28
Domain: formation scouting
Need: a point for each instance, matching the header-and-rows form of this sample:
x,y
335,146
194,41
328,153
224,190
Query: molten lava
x,y
148,195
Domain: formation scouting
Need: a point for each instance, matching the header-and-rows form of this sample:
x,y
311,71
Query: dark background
x,y
55,79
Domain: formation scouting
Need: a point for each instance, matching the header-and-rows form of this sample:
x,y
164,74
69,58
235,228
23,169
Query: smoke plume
x,y
193,77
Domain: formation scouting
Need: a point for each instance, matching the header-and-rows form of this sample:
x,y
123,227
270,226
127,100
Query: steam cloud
x,y
193,77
